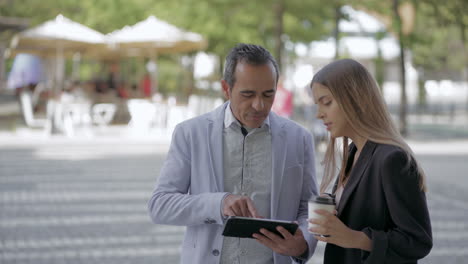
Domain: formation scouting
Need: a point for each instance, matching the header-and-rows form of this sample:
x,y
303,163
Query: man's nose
x,y
258,104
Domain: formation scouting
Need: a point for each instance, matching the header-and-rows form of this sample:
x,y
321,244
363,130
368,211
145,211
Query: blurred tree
x,y
104,15
431,49
266,22
379,60
279,10
398,27
398,18
448,22
223,22
338,4
270,23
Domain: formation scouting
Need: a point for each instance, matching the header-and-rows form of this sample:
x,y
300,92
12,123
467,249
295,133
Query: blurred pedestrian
x,y
283,104
145,85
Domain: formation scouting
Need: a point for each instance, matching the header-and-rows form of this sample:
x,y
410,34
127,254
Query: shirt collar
x,y
229,118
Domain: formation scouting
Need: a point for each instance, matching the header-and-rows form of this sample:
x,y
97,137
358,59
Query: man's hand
x,y
236,205
288,245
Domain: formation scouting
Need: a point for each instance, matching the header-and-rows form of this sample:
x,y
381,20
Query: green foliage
x,y
443,47
169,75
440,31
226,22
223,22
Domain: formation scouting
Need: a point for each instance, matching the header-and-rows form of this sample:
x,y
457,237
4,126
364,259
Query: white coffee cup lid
x,y
323,200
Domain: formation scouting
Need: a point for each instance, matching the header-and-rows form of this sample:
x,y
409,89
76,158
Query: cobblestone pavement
x,y
85,202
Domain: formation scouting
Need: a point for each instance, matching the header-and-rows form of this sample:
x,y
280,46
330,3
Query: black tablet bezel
x,y
245,227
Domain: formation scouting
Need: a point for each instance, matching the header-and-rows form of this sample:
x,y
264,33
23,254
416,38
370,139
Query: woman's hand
x,y
338,233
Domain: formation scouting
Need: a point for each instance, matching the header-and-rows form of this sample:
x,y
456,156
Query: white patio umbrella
x,y
58,38
153,36
60,33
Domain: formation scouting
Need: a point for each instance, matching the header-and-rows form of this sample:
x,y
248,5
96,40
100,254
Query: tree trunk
x,y
2,67
379,62
465,56
279,13
422,95
337,30
403,107
190,79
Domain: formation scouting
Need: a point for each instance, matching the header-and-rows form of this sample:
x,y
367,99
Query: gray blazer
x,y
190,186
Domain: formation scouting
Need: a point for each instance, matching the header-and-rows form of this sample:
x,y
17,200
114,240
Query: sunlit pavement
x,y
83,200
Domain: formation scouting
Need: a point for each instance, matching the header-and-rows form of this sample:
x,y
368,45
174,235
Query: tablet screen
x,y
245,227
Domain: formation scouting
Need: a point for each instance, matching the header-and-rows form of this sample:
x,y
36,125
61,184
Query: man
x,y
239,160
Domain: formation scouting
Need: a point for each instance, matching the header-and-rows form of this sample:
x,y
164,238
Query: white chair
x,y
28,113
157,98
193,105
75,116
171,101
103,114
160,117
142,115
176,115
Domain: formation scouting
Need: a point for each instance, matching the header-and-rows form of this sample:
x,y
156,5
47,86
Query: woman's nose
x,y
319,114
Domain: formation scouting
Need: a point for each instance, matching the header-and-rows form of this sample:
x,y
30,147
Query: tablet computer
x,y
245,227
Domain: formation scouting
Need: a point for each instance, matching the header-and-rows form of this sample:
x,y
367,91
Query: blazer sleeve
x,y
309,189
171,203
411,237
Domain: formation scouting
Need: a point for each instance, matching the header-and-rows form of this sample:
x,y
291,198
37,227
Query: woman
x,y
381,213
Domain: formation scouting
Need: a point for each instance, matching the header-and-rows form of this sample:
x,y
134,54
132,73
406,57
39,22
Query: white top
x,y
247,171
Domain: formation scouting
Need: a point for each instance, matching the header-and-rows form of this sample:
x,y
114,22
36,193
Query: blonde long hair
x,y
363,106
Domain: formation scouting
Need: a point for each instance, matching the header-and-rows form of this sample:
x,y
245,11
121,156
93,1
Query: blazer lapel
x,y
215,148
278,145
356,173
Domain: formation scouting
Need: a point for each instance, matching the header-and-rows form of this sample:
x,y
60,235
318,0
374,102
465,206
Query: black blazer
x,y
382,198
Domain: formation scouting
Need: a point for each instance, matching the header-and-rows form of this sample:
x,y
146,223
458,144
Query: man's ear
x,y
226,89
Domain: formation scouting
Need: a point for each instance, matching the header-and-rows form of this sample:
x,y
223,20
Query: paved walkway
x,y
83,200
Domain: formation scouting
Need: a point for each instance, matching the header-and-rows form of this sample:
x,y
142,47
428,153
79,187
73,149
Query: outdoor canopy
x,y
153,36
64,37
57,38
58,35
150,38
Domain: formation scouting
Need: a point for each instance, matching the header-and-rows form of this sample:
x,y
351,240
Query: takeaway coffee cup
x,y
326,203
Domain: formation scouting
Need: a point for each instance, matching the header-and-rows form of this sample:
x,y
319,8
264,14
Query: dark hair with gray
x,y
250,54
